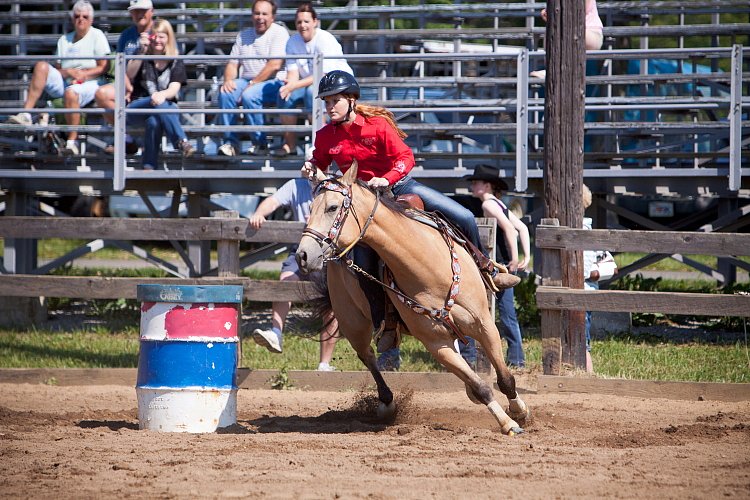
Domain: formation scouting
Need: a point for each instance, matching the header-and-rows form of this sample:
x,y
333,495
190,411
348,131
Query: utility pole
x,y
563,151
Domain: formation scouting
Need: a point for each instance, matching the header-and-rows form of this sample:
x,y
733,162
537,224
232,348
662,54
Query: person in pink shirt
x,y
594,36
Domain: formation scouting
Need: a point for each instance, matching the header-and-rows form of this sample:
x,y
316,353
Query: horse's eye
x,y
332,208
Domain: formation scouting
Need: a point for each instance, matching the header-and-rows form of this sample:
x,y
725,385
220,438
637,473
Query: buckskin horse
x,y
425,266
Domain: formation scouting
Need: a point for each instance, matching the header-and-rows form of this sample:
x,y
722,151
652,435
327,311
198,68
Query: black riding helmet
x,y
338,82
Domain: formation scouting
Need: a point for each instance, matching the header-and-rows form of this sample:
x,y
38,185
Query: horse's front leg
x,y
349,305
360,339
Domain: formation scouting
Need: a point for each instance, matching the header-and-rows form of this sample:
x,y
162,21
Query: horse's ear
x,y
350,177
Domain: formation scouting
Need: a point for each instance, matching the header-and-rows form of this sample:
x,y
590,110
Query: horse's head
x,y
329,231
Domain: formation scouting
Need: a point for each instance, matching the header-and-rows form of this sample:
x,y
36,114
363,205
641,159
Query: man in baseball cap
x,y
140,5
142,14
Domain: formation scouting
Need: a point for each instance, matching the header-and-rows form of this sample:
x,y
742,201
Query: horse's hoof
x,y
514,431
521,417
386,411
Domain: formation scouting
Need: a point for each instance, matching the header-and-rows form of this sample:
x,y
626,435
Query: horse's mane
x,y
388,200
319,305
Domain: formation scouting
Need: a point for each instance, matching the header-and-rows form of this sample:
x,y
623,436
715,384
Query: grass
x,y
113,343
695,362
628,358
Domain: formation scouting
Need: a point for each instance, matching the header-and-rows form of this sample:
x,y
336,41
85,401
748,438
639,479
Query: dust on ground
x,y
84,442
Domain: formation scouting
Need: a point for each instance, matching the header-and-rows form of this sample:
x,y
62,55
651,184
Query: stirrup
x,y
391,337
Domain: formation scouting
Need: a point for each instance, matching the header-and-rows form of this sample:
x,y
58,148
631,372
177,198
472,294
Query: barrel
x,y
188,357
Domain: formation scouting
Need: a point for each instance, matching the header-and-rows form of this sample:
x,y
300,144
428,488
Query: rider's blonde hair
x,y
368,110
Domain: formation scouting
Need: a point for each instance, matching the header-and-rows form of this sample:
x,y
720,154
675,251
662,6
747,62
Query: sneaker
x,y
390,360
254,150
71,148
325,367
186,148
268,339
505,280
226,150
20,119
282,152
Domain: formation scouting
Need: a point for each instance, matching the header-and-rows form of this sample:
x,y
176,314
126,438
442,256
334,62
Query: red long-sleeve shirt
x,y
372,141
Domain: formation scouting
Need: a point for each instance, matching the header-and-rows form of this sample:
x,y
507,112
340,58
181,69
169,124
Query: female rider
x,y
370,135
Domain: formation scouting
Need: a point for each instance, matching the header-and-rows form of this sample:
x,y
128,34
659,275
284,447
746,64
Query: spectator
x,y
370,136
594,36
487,185
297,195
142,14
597,265
156,85
297,89
253,82
75,80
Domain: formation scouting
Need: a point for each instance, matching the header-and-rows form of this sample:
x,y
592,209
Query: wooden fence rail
x,y
554,300
225,228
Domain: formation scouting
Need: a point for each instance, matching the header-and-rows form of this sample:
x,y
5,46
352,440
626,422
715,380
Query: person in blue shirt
x,y
295,194
142,14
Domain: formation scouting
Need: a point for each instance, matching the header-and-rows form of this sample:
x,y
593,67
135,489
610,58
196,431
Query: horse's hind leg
x,y
481,390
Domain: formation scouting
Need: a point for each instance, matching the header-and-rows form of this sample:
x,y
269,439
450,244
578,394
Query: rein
x,y
334,233
442,314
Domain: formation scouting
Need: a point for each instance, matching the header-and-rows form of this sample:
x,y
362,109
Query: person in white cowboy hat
x,y
142,14
486,185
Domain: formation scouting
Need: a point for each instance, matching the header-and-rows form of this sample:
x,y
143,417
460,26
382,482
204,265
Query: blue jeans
x,y
156,125
251,97
435,201
300,98
588,330
509,327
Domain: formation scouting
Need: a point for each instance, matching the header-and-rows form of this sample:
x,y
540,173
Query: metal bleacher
x,y
456,76
667,103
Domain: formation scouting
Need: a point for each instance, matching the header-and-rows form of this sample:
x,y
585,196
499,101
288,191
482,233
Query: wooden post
x,y
563,149
488,236
198,251
552,331
228,250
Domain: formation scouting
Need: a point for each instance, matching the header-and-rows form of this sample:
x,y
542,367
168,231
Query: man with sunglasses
x,y
75,80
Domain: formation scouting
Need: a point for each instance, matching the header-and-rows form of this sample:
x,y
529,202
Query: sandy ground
x,y
84,442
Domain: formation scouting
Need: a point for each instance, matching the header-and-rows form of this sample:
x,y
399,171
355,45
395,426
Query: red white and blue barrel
x,y
189,352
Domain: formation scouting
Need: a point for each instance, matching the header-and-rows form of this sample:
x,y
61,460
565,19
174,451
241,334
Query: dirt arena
x,y
83,442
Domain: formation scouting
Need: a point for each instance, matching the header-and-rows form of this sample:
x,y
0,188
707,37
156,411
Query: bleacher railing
x,y
522,100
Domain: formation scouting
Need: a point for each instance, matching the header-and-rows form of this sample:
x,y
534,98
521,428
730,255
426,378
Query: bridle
x,y
329,244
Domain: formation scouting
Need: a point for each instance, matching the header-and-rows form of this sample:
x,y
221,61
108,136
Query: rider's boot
x,y
503,279
495,275
388,335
